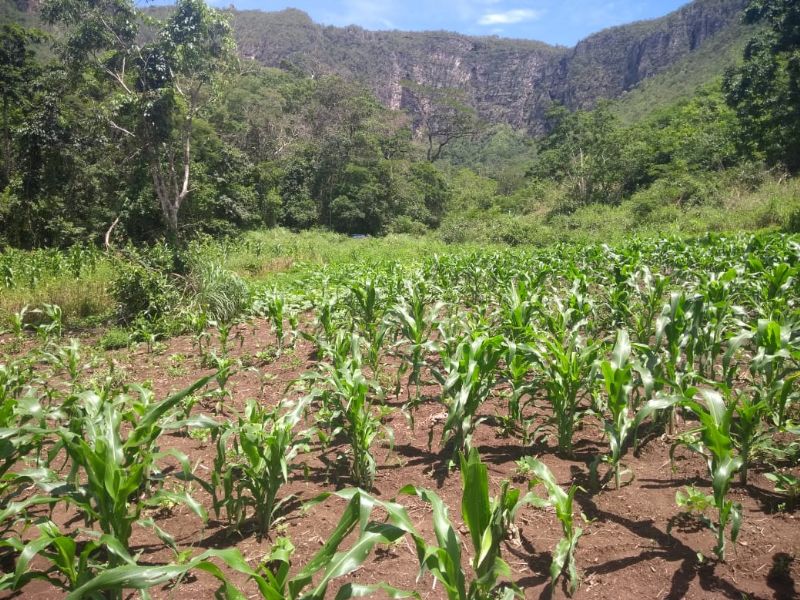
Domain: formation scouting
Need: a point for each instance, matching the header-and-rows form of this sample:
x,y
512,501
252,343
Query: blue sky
x,y
554,21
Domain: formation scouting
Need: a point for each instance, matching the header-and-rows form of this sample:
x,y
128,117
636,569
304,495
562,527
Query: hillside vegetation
x,y
281,147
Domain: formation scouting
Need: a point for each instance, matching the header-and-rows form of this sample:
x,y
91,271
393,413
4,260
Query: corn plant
x,y
618,379
52,322
415,321
466,383
566,366
276,308
109,472
18,323
83,574
718,293
69,565
776,362
198,323
519,308
272,578
623,285
365,309
747,431
254,457
785,484
489,521
347,410
67,358
518,364
677,329
714,441
224,366
563,561
651,294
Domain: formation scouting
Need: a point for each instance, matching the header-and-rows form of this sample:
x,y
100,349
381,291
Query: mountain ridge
x,y
504,79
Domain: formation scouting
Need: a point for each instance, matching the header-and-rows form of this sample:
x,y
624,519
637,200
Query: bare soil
x,y
635,545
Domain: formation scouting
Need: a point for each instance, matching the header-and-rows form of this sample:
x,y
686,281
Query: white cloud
x,y
371,14
509,17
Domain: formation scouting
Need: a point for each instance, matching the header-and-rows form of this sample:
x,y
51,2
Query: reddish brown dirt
x,y
626,550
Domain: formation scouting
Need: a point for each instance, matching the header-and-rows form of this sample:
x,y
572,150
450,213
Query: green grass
x,y
280,257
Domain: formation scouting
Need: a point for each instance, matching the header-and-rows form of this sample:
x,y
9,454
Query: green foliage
x,y
253,461
715,443
221,294
114,339
564,553
466,383
765,89
347,408
143,292
488,520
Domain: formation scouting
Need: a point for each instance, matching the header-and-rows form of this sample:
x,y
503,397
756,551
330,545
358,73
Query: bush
x,y
458,231
407,225
516,231
114,339
219,292
793,226
142,291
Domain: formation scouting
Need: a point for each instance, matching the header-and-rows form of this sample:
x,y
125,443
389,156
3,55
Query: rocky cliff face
x,y
511,81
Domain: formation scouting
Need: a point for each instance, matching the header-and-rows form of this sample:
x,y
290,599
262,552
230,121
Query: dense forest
x,y
126,124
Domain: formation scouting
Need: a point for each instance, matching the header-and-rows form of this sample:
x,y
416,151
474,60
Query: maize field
x,y
573,421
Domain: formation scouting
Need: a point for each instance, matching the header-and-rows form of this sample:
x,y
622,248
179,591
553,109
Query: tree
x,y
158,88
17,70
584,150
440,115
765,90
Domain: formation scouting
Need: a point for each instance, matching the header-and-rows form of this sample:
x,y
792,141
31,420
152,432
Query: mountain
x,y
506,80
512,81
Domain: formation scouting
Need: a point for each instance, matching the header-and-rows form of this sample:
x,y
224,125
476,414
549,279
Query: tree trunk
x,y
7,165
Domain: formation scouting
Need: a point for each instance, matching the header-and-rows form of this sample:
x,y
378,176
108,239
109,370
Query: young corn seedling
x,y
567,366
69,565
519,308
618,421
365,309
489,521
18,323
786,484
776,362
198,323
313,579
415,321
676,330
518,366
748,432
52,322
714,442
717,291
224,366
653,287
109,472
276,309
272,578
563,561
67,358
348,411
466,383
254,458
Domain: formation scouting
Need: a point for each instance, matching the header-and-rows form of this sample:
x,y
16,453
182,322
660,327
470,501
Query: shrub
x,y
114,339
141,291
222,294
